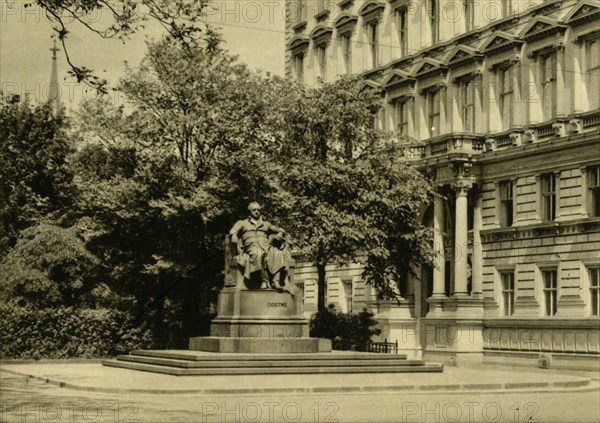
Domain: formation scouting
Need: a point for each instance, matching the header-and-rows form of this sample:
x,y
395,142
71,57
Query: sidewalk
x,y
94,377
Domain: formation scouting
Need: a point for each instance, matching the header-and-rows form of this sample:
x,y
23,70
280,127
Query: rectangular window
x,y
548,73
402,117
506,8
302,10
322,60
323,5
469,14
550,291
434,21
594,274
382,119
468,105
348,295
299,67
508,292
593,175
433,112
548,197
402,32
374,43
506,96
506,203
346,42
593,72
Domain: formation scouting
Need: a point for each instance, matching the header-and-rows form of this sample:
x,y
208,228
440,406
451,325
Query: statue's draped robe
x,y
254,236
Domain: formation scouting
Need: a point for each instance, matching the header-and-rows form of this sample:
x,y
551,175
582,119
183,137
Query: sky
x,y
252,29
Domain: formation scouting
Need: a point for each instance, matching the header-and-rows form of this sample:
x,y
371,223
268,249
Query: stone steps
x,y
208,356
183,363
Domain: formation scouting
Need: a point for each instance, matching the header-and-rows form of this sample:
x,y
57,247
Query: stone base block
x,y
259,345
260,328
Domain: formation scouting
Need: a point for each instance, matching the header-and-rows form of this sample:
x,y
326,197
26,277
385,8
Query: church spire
x,y
54,88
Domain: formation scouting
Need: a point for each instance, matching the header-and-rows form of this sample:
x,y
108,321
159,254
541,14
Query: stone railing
x,y
445,144
556,128
584,122
542,335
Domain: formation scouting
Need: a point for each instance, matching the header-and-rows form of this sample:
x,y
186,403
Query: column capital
x,y
462,187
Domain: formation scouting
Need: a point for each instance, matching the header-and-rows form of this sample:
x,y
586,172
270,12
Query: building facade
x,y
500,99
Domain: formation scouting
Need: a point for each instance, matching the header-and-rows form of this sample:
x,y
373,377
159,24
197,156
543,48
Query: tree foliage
x,y
160,180
35,178
48,266
350,196
181,19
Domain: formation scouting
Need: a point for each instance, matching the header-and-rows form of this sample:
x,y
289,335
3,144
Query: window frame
x,y
348,298
508,293
433,99
506,95
507,203
373,38
402,117
592,175
594,287
434,21
548,82
591,69
402,30
548,194
550,294
469,12
298,64
346,47
506,8
468,104
322,60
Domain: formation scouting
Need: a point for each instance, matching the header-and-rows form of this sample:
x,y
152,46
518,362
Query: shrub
x,y
29,332
346,331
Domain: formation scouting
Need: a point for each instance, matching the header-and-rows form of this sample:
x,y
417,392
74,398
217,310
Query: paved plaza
x,y
55,391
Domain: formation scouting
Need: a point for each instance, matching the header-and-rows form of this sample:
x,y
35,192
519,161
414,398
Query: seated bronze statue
x,y
263,258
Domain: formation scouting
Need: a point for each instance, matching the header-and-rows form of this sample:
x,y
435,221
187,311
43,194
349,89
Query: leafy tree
x,y
181,19
163,181
35,179
49,266
349,196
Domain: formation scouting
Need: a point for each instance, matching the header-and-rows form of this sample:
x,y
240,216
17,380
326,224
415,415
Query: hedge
x,y
27,332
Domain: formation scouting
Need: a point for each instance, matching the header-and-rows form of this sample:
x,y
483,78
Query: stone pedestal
x,y
397,323
259,321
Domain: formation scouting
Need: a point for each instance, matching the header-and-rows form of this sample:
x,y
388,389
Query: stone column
x,y
439,270
460,239
477,267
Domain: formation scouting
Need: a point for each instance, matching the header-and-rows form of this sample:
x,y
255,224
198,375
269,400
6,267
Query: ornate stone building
x,y
501,100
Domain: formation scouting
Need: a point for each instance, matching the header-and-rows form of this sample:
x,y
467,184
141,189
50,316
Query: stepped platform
x,y
195,363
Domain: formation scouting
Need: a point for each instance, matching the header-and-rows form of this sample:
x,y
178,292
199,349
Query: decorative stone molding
x,y
501,48
399,84
561,127
299,27
576,125
550,6
517,138
431,73
345,23
345,4
399,4
371,10
298,44
321,34
583,20
537,230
